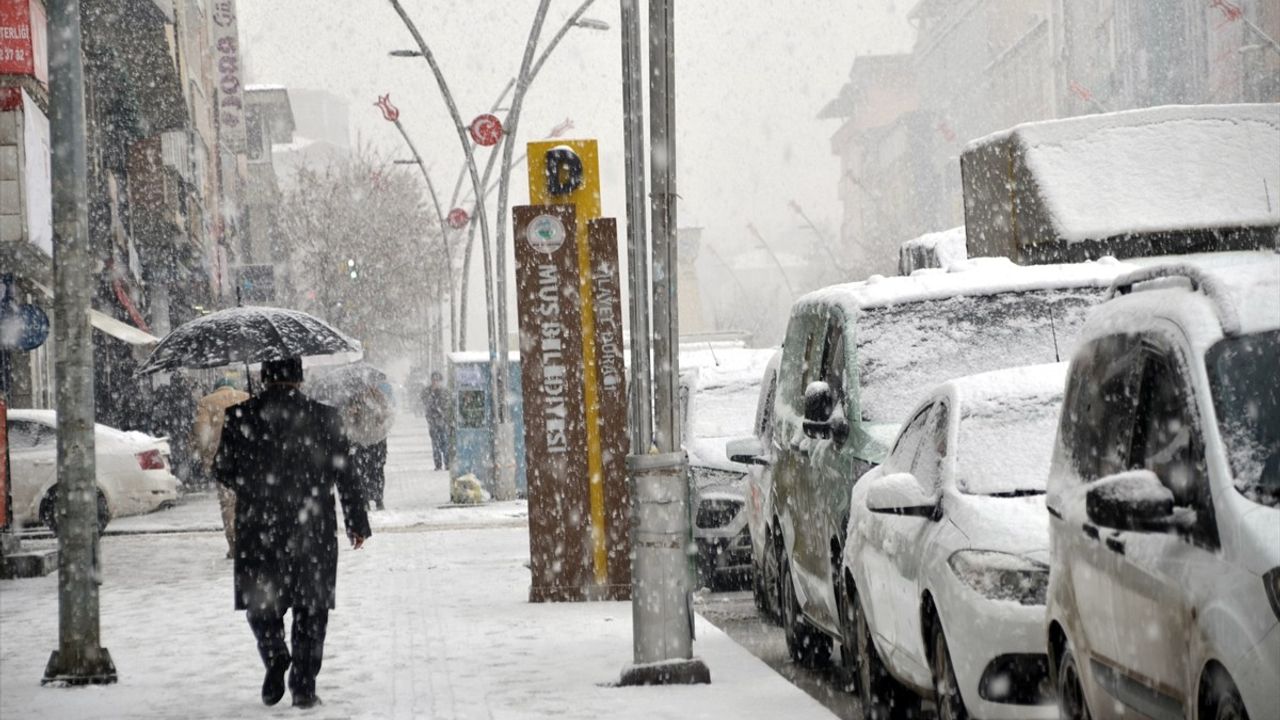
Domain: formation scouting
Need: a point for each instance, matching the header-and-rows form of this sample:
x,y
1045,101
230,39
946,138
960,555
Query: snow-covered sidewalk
x,y
432,622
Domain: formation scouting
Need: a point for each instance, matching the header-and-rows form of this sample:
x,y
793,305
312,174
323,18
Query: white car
x,y
1164,498
946,558
132,470
755,453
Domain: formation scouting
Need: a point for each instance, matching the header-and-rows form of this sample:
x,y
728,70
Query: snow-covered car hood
x,y
1017,525
710,453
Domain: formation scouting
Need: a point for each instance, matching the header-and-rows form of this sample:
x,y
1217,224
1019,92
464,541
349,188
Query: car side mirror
x,y
747,451
1133,500
901,494
823,417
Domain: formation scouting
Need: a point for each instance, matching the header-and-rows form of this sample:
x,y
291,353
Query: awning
x,y
120,330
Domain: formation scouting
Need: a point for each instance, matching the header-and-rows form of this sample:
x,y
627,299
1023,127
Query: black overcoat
x,y
283,454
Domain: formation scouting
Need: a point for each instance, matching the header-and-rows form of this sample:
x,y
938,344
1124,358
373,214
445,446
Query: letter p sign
x,y
564,171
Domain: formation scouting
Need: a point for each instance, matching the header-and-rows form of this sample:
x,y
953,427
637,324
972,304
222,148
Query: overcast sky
x,y
751,77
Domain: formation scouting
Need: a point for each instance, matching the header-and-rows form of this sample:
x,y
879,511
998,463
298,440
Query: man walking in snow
x,y
211,413
283,454
435,400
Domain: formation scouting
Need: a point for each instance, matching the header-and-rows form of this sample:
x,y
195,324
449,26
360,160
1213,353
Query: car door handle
x,y
1115,545
1090,530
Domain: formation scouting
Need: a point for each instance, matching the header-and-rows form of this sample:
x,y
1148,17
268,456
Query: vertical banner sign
x,y
554,419
606,299
568,172
226,49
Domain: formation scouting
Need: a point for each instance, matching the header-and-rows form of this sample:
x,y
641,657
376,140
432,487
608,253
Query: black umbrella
x,y
246,335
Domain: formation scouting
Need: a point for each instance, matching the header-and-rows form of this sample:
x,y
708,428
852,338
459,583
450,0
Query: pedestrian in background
x,y
211,413
435,401
366,419
173,411
283,454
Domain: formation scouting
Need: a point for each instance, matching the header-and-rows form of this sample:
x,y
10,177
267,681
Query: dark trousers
x,y
309,625
439,445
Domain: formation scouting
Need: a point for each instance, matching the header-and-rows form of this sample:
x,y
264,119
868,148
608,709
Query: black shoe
x,y
381,506
302,702
273,685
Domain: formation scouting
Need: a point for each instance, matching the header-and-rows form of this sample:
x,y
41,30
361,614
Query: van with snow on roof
x,y
855,359
1164,498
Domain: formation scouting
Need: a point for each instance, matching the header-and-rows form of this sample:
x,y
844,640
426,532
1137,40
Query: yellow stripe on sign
x,y
586,200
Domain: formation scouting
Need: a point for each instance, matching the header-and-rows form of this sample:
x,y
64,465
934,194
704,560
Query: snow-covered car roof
x,y
1243,288
977,276
1159,169
50,418
722,407
1027,381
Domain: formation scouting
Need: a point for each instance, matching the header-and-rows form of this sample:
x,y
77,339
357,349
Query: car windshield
x,y
903,349
1006,444
725,410
1246,398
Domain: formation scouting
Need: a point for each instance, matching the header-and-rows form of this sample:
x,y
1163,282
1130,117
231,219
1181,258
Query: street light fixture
x,y
592,24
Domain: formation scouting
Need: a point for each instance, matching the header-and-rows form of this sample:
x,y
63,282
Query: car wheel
x,y
882,697
49,511
946,689
806,645
1220,698
1071,702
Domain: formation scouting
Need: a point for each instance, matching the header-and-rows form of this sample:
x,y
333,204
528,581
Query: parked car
x,y
854,361
719,391
1164,498
946,556
133,474
754,452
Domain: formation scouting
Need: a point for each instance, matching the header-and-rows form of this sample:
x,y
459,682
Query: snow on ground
x,y
432,622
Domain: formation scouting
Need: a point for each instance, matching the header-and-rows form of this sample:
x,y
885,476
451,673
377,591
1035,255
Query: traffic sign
x,y
486,130
458,218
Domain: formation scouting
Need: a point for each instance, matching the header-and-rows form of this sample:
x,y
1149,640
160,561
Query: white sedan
x,y
132,470
946,559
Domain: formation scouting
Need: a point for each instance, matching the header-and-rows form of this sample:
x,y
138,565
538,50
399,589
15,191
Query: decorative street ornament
x,y
561,129
458,218
390,112
486,130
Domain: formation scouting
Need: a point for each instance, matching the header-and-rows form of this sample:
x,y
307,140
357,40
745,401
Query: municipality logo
x,y
545,234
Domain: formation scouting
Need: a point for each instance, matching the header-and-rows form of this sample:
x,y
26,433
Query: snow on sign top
x,y
1154,170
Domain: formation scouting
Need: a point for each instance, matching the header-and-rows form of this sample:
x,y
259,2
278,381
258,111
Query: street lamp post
x,y
498,404
392,114
574,20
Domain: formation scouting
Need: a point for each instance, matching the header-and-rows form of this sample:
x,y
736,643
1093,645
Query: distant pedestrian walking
x,y
435,400
211,413
283,454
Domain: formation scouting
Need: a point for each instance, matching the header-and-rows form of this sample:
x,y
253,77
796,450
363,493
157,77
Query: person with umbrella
x,y
357,391
211,412
283,454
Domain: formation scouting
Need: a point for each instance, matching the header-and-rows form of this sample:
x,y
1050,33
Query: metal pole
x,y
505,480
444,227
641,415
80,659
764,244
497,405
661,606
507,139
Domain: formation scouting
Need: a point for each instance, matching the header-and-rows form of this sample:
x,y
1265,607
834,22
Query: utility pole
x,y
80,659
661,606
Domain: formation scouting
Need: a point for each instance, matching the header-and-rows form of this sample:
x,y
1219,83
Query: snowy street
x,y
432,622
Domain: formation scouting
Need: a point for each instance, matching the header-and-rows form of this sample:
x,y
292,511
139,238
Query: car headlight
x,y
1002,576
716,513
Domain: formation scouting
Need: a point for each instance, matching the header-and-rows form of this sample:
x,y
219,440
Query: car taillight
x,y
151,460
